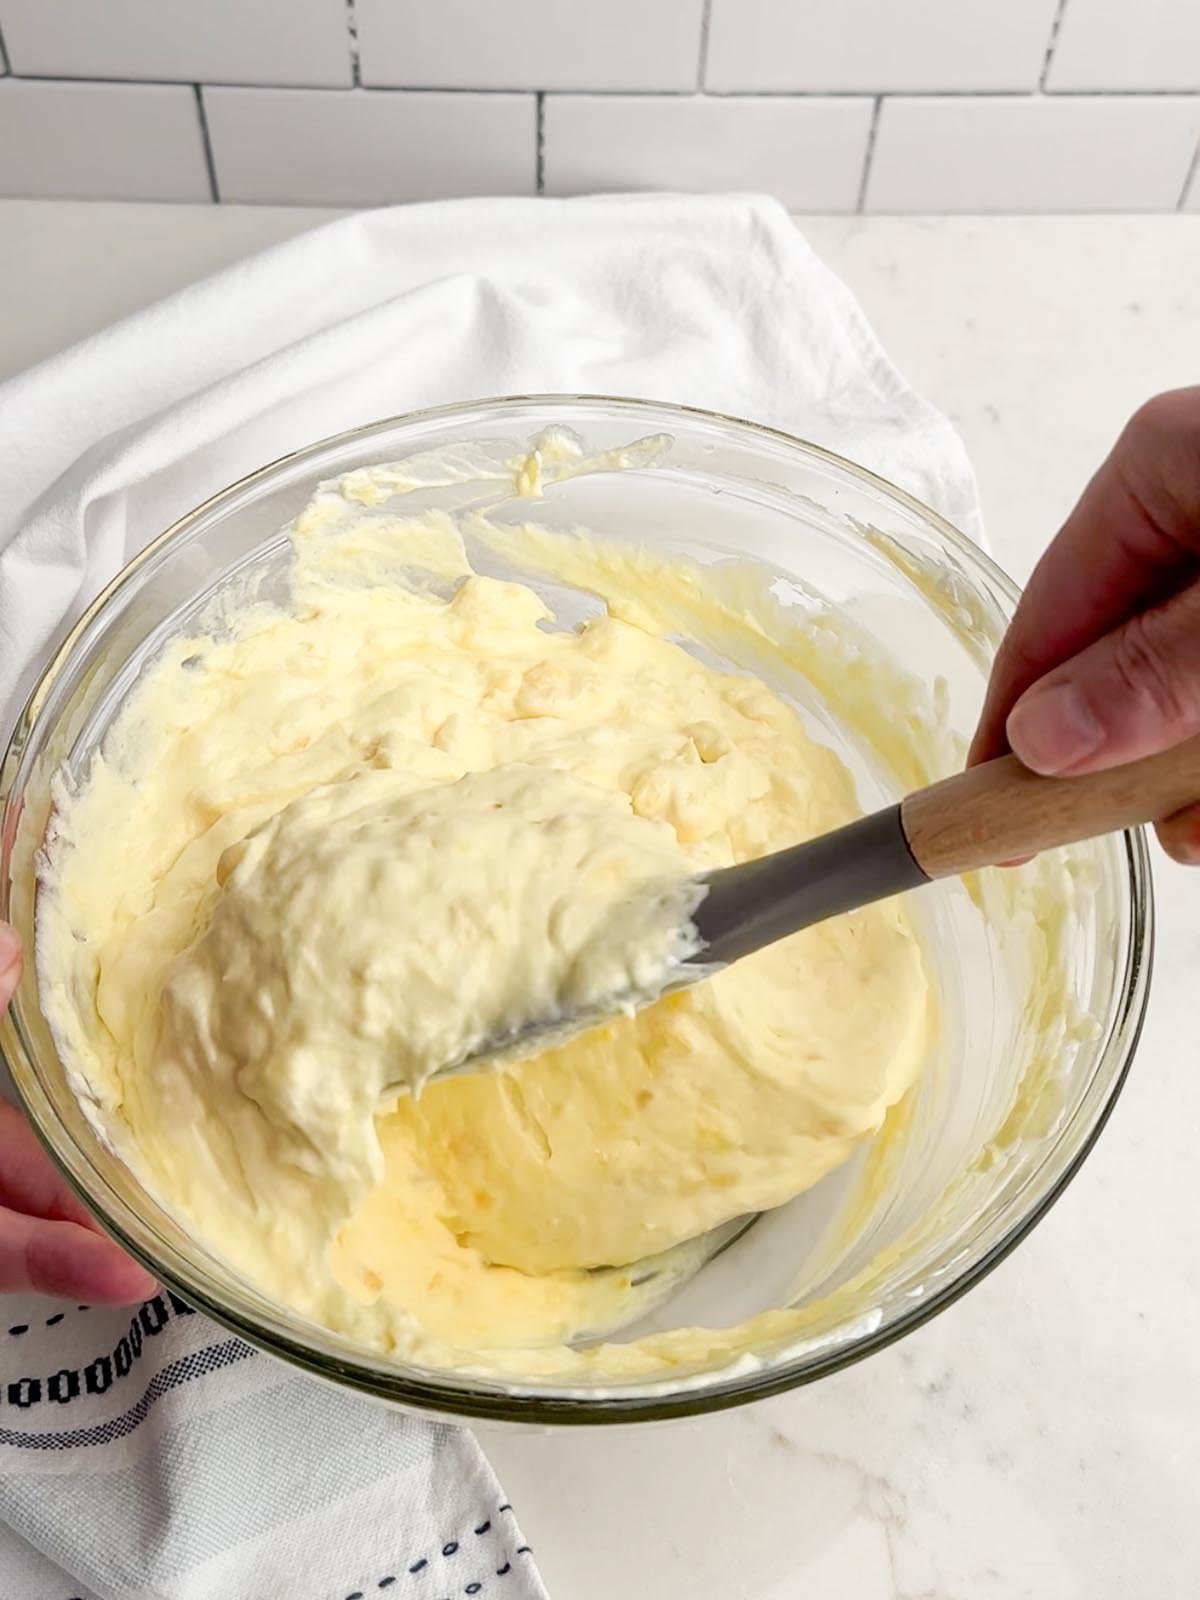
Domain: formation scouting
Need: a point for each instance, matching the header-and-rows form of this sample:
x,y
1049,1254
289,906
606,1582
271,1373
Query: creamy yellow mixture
x,y
331,846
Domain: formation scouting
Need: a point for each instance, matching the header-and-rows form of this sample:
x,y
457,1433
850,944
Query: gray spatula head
x,y
992,813
758,902
743,908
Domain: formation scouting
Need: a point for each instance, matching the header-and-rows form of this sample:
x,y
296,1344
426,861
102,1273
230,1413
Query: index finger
x,y
29,1181
67,1261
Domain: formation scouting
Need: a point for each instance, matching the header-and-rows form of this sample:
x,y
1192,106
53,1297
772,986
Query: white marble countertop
x,y
1040,1440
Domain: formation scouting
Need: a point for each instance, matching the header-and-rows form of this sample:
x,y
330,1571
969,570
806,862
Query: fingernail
x,y
1052,729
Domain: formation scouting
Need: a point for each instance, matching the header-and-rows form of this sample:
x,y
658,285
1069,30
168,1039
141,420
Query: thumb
x,y
1133,693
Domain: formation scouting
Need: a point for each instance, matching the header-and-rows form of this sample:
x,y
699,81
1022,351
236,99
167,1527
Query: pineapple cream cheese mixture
x,y
333,844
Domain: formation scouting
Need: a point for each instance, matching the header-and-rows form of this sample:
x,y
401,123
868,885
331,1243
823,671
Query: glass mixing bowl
x,y
893,617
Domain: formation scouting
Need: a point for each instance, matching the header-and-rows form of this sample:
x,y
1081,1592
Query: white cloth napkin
x,y
149,1456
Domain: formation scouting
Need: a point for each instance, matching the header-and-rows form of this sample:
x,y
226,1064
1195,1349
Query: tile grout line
x,y
1191,175
869,154
5,63
722,95
702,58
1060,12
1032,93
352,36
206,141
540,145
1116,94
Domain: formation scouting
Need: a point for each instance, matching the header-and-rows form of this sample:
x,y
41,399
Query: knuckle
x,y
1173,415
1018,662
1147,671
34,1261
1157,464
45,1264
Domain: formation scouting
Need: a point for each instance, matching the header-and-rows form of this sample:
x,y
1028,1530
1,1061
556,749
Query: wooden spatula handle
x,y
1001,810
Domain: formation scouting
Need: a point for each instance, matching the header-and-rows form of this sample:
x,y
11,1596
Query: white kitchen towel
x,y
148,1456
148,1453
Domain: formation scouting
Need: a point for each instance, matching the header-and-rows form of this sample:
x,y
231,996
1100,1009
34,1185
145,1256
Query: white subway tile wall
x,y
878,105
808,152
1128,44
1009,153
369,147
90,141
188,41
868,46
530,44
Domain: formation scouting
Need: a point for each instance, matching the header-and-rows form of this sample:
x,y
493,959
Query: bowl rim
x,y
457,1395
